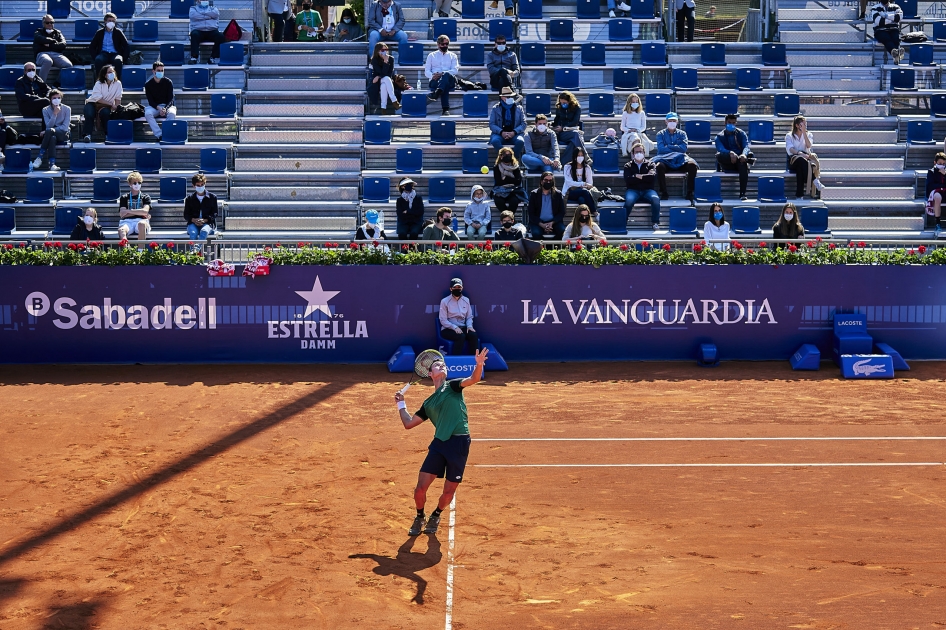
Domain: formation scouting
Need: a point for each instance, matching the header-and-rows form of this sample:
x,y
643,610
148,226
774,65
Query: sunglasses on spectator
x,y
50,23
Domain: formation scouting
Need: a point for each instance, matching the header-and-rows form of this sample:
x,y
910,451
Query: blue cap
x,y
371,216
673,116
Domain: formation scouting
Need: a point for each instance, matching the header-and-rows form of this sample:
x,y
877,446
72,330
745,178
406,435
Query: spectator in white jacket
x,y
102,102
441,70
716,229
579,181
634,125
477,214
582,226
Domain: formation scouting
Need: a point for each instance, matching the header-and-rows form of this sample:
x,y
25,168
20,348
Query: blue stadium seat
x,y
683,221
119,132
909,8
196,78
441,190
787,105
654,54
773,55
66,218
530,9
772,190
606,160
414,104
134,79
81,160
475,105
613,220
566,79
223,105
377,132
593,54
213,160
17,162
938,105
148,160
443,132
59,9
533,54
815,219
472,54
474,159
559,31
921,55
173,131
713,54
3,55
85,31
939,31
748,79
725,104
919,132
173,189
625,79
761,132
376,190
409,161
7,220
745,220
39,189
708,189
642,9
903,79
657,104
473,10
123,9
588,9
8,77
232,54
106,189
500,26
145,31
410,55
28,29
72,79
172,54
684,79
180,9
620,30
601,104
538,104
698,131
445,26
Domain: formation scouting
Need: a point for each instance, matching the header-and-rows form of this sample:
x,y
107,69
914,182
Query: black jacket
x,y
362,235
48,42
206,209
570,117
79,233
414,212
503,234
31,96
646,168
535,206
778,235
499,180
159,92
935,178
118,41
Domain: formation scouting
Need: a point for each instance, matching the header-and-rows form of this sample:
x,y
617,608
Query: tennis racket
x,y
422,365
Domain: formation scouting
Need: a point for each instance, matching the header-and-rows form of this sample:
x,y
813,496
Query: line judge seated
x,y
456,319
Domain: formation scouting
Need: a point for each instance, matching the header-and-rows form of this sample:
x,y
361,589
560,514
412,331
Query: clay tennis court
x,y
280,497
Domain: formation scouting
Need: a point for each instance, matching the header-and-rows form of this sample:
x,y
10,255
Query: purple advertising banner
x,y
529,313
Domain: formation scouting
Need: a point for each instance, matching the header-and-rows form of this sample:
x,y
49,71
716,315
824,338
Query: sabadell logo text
x,y
110,316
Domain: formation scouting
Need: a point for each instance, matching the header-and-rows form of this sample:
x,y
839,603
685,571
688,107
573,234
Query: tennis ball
x,y
484,170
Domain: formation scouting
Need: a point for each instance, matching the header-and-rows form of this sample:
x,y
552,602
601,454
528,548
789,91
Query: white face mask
x,y
580,159
110,25
788,216
478,198
501,47
541,128
110,76
136,187
384,54
507,100
50,30
88,220
200,189
941,166
638,157
347,20
31,74
56,102
635,105
671,125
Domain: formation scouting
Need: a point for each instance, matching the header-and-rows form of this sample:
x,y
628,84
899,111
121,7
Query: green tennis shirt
x,y
446,410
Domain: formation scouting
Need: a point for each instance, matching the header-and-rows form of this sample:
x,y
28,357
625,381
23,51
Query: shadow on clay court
x,y
10,587
172,470
407,563
78,616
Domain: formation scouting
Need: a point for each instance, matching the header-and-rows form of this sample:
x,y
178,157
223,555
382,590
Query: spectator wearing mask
x,y
442,228
381,88
672,156
32,93
566,125
507,123
87,227
385,22
887,16
508,231
502,65
540,146
510,11
134,210
507,181
278,10
56,117
370,230
200,210
456,319
159,91
716,228
732,152
546,209
477,215
205,27
102,102
349,30
582,226
634,125
441,70
109,47
801,159
308,24
48,46
639,176
685,12
579,181
620,6
409,209
935,190
788,226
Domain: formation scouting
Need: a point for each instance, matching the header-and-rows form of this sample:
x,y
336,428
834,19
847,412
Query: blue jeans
x,y
582,196
507,4
199,234
533,162
632,196
497,141
446,83
374,36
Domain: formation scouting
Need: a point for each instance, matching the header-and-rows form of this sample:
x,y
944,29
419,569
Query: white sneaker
x,y
818,185
624,6
656,226
37,162
611,14
54,169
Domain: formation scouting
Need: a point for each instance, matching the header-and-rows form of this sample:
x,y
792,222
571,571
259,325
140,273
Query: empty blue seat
x,y
909,8
72,79
85,30
538,104
919,132
410,55
642,9
620,30
713,54
66,218
683,221
500,26
474,160
588,9
81,160
173,189
414,104
612,220
8,77
772,190
106,189
148,160
561,31
708,189
377,132
443,132
145,31
530,9
815,219
601,104
232,54
473,9
592,54
787,105
657,104
119,132
134,79
196,78
17,162
903,79
7,220
761,132
748,79
606,160
180,9
173,132
654,54
533,54
684,79
376,190
223,105
566,79
724,104
445,26
39,189
698,131
745,220
409,161
475,105
442,190
28,29
773,55
471,54
59,9
939,31
213,160
172,54
921,55
938,105
625,79
123,9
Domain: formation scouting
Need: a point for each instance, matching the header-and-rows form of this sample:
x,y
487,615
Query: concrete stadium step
x,y
294,193
839,58
828,36
323,136
836,193
352,59
857,137
345,84
866,165
875,224
321,104
268,178
292,224
844,84
817,13
297,161
842,110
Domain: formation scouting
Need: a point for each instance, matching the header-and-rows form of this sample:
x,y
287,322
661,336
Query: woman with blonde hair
x,y
802,160
634,125
381,89
507,190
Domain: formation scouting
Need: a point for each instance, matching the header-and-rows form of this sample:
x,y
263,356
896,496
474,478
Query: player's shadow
x,y
78,616
407,563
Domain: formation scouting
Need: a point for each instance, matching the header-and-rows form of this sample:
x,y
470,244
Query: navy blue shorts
x,y
447,459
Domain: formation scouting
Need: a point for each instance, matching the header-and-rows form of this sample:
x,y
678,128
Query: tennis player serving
x,y
447,453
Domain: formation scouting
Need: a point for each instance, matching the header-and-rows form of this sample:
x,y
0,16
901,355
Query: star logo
x,y
317,298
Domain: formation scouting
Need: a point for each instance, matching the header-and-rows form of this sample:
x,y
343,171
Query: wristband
x,y
401,404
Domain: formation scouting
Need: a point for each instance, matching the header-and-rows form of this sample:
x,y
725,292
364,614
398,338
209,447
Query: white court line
x,y
453,521
708,439
708,465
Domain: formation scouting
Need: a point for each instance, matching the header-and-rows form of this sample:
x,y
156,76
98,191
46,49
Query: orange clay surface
x,y
280,497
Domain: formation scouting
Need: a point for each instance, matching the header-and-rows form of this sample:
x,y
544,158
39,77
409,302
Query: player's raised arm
x,y
477,374
407,420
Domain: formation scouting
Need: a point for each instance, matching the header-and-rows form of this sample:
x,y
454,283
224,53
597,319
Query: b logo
x,y
37,304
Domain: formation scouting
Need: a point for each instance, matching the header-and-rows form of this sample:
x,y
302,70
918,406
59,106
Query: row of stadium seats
x,y
78,78
123,9
174,54
147,159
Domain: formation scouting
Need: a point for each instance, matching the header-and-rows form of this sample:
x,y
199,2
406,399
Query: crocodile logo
x,y
864,367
